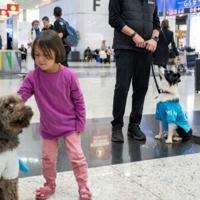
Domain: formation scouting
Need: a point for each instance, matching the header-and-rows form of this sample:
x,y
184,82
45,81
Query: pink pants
x,y
75,155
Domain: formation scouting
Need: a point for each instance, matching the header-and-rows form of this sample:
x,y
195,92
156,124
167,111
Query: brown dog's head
x,y
14,115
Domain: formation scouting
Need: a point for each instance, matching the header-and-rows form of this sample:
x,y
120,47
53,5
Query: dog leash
x,y
155,80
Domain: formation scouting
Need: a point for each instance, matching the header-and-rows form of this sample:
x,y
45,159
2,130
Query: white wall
x,y
23,33
92,26
194,39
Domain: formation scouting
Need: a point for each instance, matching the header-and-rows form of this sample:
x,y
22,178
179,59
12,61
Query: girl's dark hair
x,y
49,40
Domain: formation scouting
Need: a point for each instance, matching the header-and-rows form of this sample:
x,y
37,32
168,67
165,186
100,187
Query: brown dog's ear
x,y
13,99
6,101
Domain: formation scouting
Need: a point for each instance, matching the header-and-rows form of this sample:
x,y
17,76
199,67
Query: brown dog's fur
x,y
14,116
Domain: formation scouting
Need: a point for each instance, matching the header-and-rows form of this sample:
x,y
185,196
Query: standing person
x,y
46,24
136,33
59,27
1,42
166,37
62,114
35,31
9,41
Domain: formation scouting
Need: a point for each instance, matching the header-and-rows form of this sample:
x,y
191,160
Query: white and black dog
x,y
169,111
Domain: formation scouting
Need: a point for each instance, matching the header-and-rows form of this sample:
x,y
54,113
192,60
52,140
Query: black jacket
x,y
60,27
141,15
0,43
50,28
161,55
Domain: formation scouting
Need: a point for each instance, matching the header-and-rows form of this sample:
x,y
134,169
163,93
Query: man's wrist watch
x,y
155,38
133,34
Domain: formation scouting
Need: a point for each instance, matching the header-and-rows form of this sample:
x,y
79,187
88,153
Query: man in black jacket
x,y
137,26
59,27
1,42
47,24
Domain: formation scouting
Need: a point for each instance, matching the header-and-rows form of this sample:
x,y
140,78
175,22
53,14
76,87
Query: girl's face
x,y
45,63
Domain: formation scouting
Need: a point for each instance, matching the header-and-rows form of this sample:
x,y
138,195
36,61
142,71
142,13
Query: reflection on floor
x,y
174,178
100,151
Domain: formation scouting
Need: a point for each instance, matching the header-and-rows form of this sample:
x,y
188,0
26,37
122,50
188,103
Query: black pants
x,y
131,66
67,50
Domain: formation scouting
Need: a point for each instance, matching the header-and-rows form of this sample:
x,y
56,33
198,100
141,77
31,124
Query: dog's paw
x,y
168,141
158,137
177,139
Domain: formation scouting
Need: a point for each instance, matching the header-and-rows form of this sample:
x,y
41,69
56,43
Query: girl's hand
x,y
78,132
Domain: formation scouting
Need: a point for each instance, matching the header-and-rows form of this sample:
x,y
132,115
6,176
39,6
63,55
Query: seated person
x,y
87,54
23,51
103,56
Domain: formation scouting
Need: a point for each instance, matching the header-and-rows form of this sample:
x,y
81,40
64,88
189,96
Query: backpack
x,y
71,37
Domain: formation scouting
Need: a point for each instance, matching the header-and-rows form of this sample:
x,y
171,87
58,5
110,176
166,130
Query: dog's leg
x,y
177,137
1,194
10,190
170,133
160,134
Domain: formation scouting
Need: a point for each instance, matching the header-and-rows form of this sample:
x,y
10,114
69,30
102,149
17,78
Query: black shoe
x,y
136,133
117,135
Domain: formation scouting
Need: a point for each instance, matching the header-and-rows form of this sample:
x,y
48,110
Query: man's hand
x,y
139,41
151,45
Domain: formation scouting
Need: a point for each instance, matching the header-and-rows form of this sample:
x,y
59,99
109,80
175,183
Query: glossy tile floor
x,y
129,171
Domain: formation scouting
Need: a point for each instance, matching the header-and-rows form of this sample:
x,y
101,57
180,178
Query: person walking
x,y
59,27
166,38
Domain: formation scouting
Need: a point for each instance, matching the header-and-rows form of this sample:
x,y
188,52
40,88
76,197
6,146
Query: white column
x,y
3,33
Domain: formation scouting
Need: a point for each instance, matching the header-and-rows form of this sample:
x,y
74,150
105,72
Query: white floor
x,y
98,94
174,178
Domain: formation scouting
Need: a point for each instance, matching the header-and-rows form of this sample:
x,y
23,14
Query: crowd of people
x,y
58,26
102,55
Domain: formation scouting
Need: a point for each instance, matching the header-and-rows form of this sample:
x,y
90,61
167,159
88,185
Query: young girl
x,y
62,111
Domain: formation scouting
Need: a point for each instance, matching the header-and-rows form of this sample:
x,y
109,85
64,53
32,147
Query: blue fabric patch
x,y
172,112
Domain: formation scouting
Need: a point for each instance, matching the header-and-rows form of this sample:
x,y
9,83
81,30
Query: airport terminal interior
x,y
133,170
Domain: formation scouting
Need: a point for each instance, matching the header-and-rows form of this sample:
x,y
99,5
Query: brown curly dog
x,y
14,116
